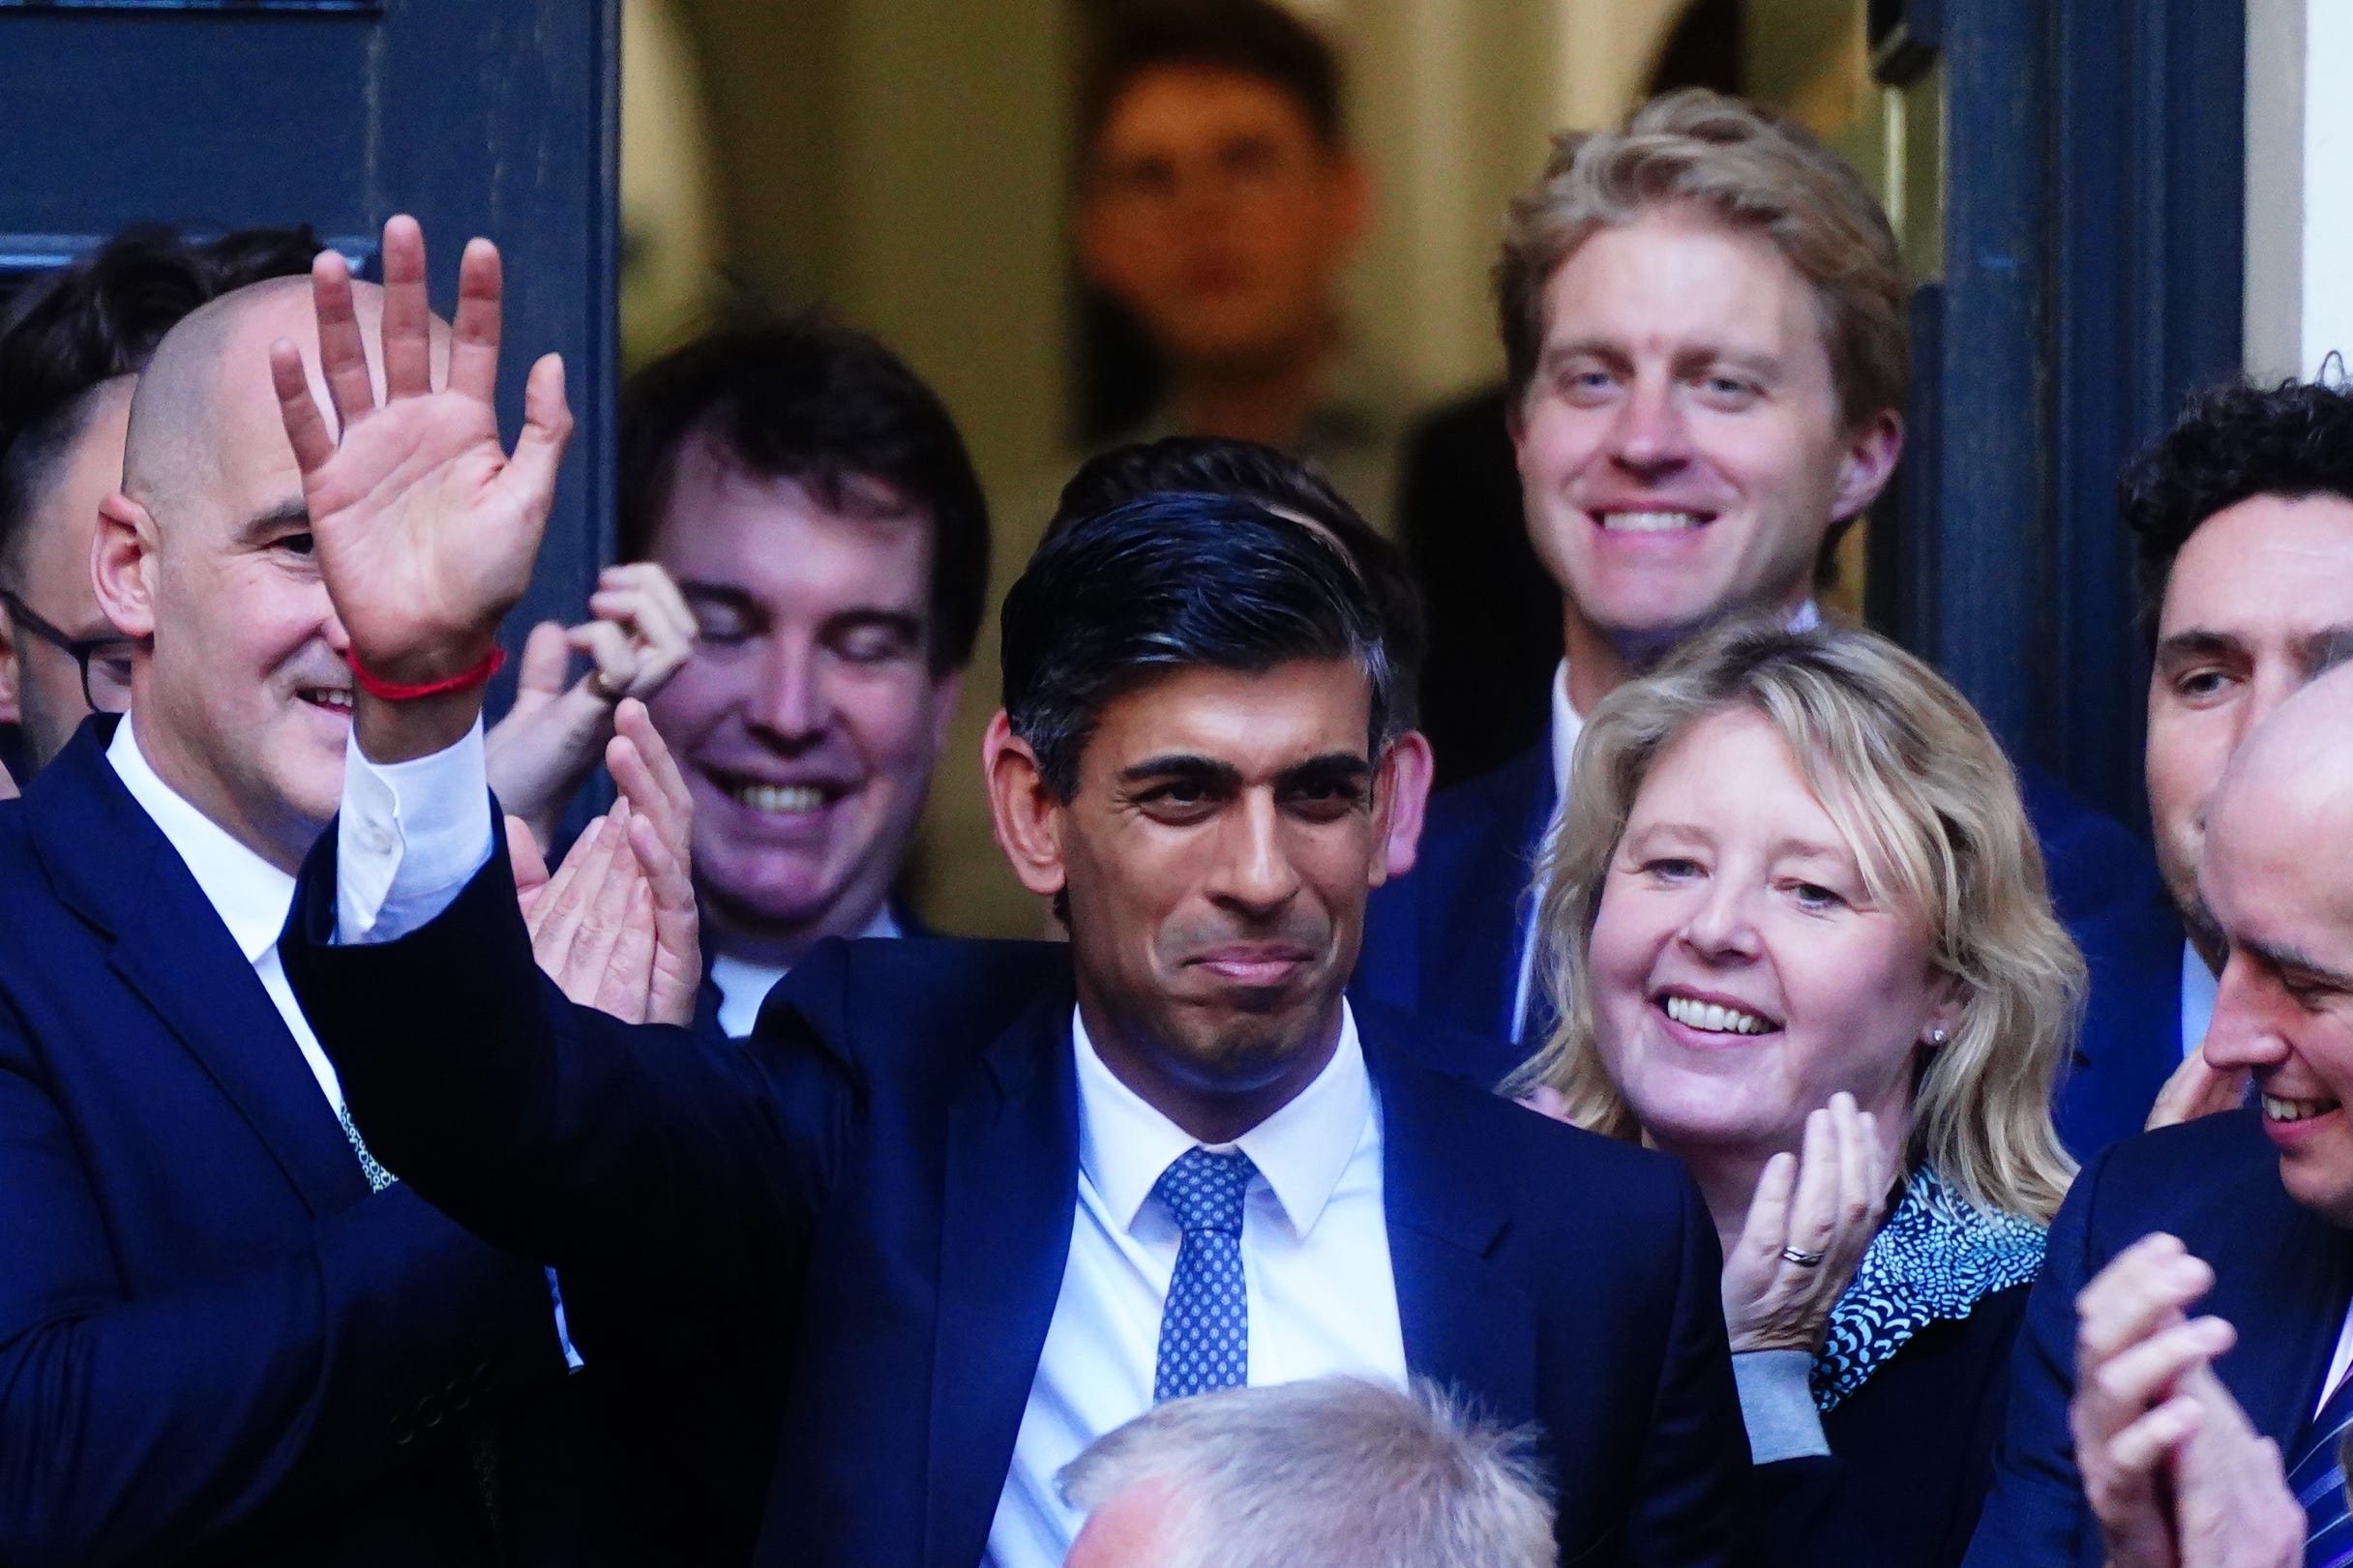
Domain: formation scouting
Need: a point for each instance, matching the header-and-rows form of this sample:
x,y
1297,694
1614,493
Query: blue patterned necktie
x,y
1204,1330
2317,1478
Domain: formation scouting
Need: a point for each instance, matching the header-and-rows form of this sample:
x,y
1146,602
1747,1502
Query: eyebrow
x,y
1812,849
2199,641
1204,770
1330,767
2319,652
2282,957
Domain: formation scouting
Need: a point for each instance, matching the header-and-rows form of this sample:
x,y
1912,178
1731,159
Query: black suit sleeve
x,y
2037,1513
556,1131
137,1426
1692,1478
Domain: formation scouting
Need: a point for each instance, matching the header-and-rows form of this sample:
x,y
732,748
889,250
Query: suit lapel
x,y
1464,1325
2289,1305
1481,932
112,865
1011,1187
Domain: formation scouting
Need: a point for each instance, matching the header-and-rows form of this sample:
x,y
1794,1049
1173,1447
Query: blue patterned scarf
x,y
1937,1257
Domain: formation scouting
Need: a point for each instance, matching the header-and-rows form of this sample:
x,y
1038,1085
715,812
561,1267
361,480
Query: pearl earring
x,y
1937,1035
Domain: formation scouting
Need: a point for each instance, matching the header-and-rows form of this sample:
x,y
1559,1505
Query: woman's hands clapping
x,y
1813,1215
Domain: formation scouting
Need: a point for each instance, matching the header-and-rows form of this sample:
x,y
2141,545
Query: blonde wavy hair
x,y
1923,792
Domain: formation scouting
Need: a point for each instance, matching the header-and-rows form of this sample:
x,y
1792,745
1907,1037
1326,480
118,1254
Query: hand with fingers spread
x,y
1812,1217
426,527
2174,1471
542,752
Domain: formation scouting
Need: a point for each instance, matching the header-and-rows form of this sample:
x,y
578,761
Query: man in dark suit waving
x,y
959,1207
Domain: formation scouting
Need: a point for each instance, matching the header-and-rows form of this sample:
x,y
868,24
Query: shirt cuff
x,y
410,836
1777,1405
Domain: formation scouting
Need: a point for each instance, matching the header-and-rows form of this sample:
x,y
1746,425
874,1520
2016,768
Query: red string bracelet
x,y
376,686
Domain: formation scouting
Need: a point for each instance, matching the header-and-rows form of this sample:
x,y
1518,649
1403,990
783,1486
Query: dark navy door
x,y
496,117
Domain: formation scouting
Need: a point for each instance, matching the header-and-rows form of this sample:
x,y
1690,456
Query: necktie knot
x,y
1203,1190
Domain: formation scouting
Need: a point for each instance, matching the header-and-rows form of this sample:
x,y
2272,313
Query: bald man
x,y
225,1331
2161,1413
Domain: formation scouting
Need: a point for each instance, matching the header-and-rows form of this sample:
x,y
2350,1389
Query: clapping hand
x,y
1809,1223
639,635
616,927
2174,1471
426,526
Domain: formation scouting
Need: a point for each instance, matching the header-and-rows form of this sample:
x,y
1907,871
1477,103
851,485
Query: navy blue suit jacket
x,y
874,1196
213,1342
1445,941
2282,1276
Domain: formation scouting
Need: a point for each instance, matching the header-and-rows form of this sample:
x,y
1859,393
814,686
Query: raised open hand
x,y
426,527
1807,1227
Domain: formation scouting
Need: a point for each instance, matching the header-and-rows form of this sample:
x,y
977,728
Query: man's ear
x,y
121,565
1023,812
1403,784
1867,464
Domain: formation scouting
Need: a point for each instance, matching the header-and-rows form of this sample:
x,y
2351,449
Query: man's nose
x,y
1255,869
791,700
2245,1030
333,631
1649,434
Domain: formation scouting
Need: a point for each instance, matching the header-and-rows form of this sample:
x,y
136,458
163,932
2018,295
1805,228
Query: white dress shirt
x,y
2199,987
1315,1261
744,985
250,895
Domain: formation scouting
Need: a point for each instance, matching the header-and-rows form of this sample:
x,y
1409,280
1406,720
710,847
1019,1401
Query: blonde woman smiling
x,y
1796,923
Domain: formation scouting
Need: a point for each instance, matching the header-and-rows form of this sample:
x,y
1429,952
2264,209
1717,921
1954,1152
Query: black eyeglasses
x,y
104,662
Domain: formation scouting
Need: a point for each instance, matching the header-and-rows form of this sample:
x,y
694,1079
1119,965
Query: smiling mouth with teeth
x,y
2275,1109
1651,522
1713,1019
778,800
336,699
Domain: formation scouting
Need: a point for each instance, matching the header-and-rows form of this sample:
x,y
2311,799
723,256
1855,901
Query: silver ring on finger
x,y
1803,1259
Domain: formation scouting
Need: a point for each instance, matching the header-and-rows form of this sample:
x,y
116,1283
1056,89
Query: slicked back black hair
x,y
2232,442
1174,580
99,318
823,405
1217,466
1249,38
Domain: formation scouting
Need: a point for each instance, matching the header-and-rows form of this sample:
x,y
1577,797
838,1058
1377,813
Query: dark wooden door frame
x,y
2093,243
495,117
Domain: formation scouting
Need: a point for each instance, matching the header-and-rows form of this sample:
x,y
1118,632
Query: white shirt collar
x,y
744,985
250,896
2199,988
1568,724
1300,1151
